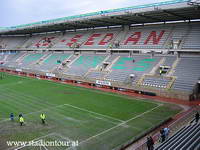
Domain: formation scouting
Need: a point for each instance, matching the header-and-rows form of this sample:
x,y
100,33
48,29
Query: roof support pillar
x,y
126,27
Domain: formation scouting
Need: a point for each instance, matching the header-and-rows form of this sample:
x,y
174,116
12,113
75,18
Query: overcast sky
x,y
15,12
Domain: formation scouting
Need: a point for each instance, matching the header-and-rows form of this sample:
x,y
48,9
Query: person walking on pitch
x,y
21,121
11,116
42,117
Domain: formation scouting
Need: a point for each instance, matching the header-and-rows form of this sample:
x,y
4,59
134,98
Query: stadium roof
x,y
173,10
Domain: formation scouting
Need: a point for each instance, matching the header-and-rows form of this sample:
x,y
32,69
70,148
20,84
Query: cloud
x,y
15,12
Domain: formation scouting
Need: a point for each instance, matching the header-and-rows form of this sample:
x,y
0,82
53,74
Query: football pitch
x,y
97,120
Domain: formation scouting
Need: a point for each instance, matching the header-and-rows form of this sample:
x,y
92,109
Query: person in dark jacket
x,y
150,143
11,116
197,117
162,135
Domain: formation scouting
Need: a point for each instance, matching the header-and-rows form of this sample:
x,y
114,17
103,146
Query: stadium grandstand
x,y
151,51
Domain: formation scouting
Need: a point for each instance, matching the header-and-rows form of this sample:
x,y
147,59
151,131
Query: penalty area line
x,y
105,131
105,116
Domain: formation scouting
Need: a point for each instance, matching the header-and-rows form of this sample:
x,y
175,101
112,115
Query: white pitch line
x,y
61,136
34,112
105,131
105,116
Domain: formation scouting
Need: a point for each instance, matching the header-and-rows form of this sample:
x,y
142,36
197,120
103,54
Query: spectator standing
x,y
166,132
197,117
150,143
162,135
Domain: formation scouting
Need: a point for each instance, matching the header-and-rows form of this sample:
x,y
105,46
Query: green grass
x,y
98,120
